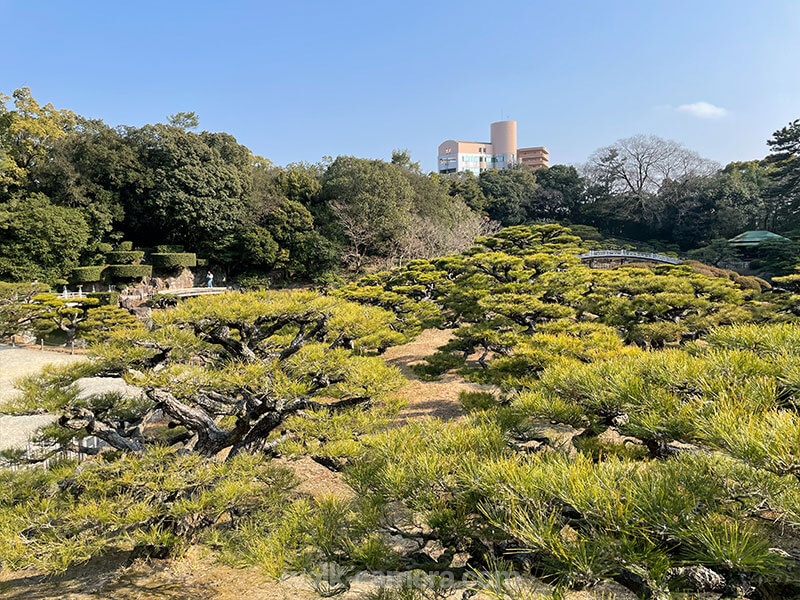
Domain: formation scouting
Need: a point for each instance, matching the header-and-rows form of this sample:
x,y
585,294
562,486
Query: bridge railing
x,y
629,254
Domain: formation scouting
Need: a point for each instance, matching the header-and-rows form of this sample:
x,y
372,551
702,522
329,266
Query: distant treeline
x,y
71,187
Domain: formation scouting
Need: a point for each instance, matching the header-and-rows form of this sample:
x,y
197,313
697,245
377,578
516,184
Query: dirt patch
x,y
194,577
198,577
437,399
314,479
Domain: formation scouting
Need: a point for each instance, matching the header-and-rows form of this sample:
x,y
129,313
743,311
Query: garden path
x,y
438,399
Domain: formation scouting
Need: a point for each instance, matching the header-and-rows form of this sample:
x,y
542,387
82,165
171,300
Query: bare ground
x,y
198,577
438,399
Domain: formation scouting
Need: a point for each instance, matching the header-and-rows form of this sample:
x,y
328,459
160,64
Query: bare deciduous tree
x,y
638,166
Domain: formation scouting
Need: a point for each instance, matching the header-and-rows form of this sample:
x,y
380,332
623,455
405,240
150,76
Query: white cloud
x,y
703,110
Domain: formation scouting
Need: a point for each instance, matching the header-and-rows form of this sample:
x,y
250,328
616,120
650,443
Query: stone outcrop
x,y
133,295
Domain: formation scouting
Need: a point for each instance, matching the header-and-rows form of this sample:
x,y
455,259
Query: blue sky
x,y
300,80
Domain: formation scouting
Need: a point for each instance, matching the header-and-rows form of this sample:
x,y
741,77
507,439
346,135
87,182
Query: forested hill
x,y
72,188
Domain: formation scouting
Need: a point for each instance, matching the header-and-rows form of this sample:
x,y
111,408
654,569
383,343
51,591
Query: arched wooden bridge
x,y
593,255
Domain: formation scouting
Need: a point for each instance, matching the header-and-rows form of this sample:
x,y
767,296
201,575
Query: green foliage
x,y
784,176
124,257
717,252
510,193
128,271
475,401
162,300
638,423
437,364
576,455
105,298
173,260
779,257
289,353
155,505
184,120
193,189
18,311
87,274
372,202
25,133
39,240
392,210
102,321
254,282
64,314
169,186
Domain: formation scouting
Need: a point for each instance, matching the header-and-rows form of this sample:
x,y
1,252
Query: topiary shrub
x,y
128,271
86,274
173,260
105,298
124,257
124,246
168,248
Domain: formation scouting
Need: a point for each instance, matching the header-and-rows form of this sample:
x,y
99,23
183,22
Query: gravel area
x,y
19,362
16,363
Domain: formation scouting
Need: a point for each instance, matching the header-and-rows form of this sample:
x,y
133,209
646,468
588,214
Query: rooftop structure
x,y
501,152
754,238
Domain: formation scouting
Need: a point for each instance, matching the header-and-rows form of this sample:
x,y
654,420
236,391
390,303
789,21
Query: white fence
x,y
88,446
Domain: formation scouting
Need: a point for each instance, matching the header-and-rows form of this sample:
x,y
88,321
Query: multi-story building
x,y
499,153
535,157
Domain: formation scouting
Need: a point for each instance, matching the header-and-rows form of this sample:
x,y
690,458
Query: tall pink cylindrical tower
x,y
504,140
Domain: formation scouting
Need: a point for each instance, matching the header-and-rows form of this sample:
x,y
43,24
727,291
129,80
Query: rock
x,y
93,386
621,420
142,312
699,578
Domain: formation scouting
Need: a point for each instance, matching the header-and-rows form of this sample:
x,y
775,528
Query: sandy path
x,y
437,399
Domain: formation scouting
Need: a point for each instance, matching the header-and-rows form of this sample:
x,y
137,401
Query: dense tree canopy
x,y
39,239
192,188
26,133
166,183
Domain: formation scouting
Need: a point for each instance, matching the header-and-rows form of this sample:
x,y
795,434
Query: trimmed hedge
x,y
105,298
129,271
168,248
86,274
173,260
125,246
124,257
